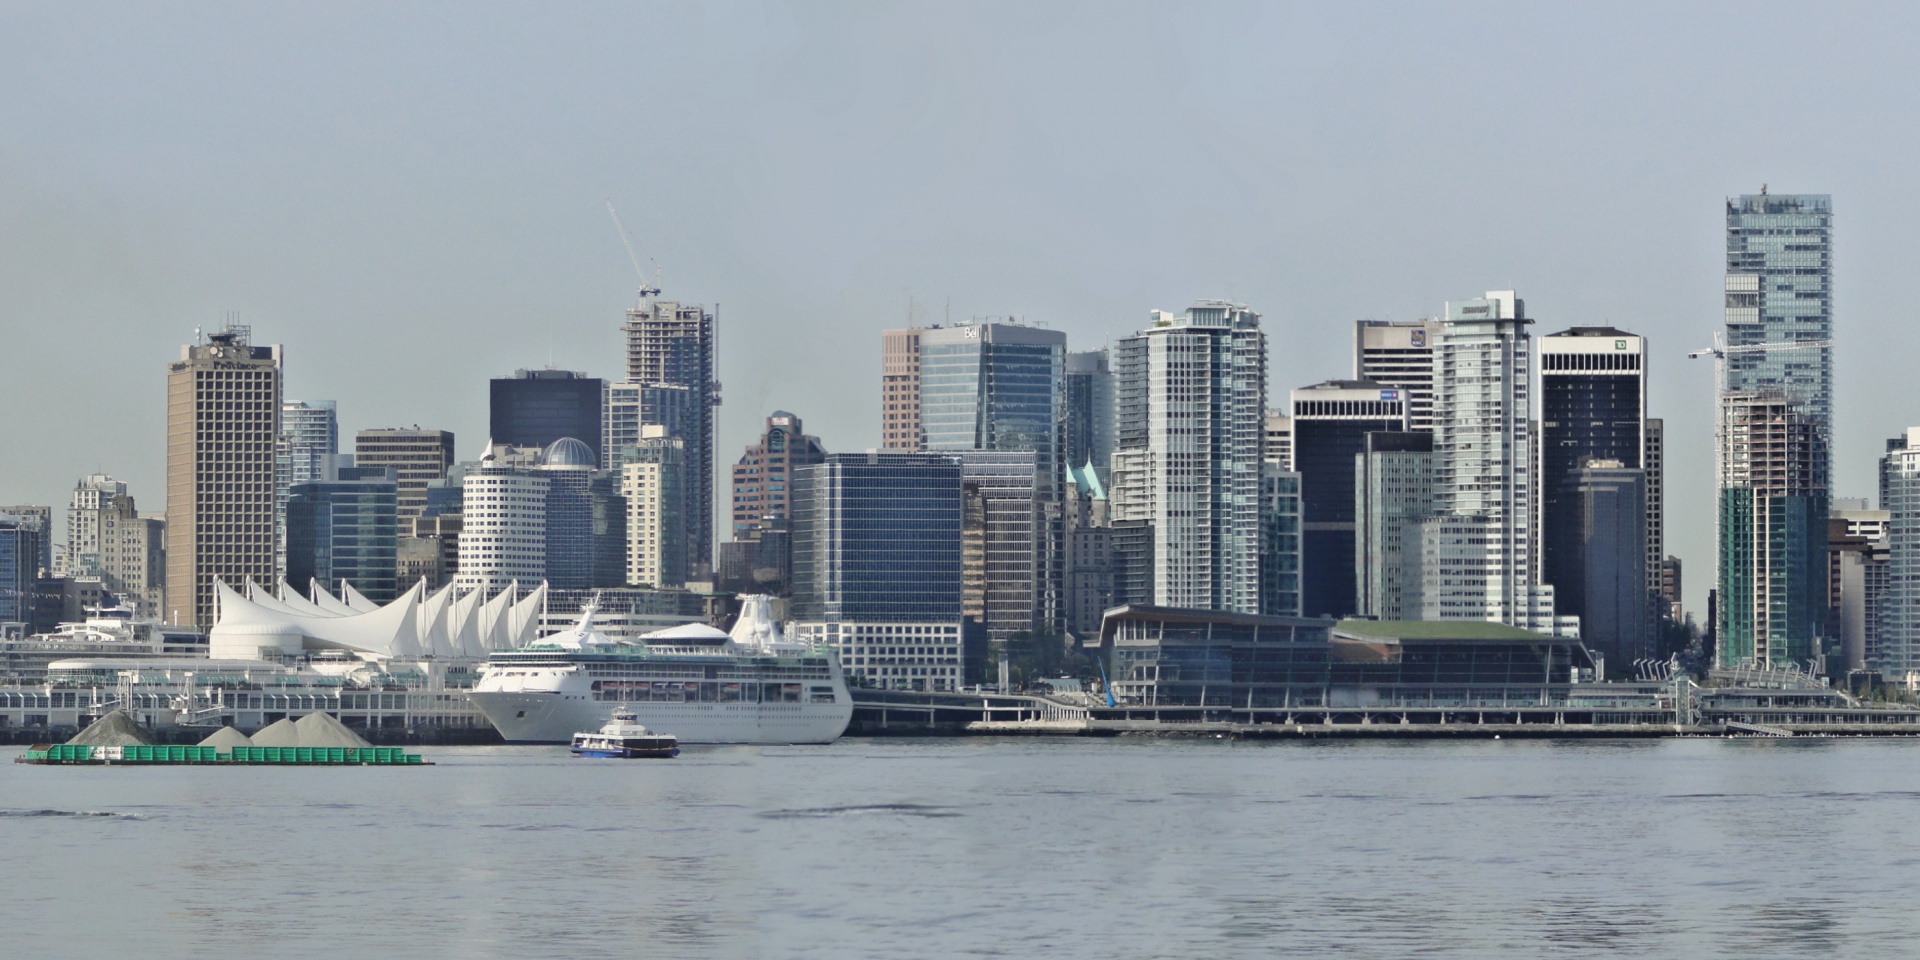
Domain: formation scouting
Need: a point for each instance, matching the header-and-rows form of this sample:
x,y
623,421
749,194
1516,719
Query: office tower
x,y
1331,421
1477,552
673,344
763,476
1779,291
223,422
108,539
632,407
309,436
1857,571
653,480
759,561
877,566
1001,533
1898,656
38,519
1190,394
1601,558
1399,354
431,550
1001,387
586,519
1393,492
1089,392
1654,462
900,389
417,456
1593,406
1089,561
533,408
19,558
343,526
1280,439
503,532
1772,521
1281,548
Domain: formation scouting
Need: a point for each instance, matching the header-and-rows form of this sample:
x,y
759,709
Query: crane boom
x,y
646,289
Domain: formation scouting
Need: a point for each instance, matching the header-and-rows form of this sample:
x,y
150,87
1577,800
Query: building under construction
x,y
1772,530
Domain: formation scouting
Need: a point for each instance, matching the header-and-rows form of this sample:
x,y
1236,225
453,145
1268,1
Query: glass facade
x,y
1897,650
344,530
1779,289
533,408
1089,438
1330,426
1280,542
877,539
1772,592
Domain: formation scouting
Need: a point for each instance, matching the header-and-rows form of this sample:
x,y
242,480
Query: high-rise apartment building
x,y
1393,492
877,567
1779,291
533,408
653,481
417,457
1898,654
1399,353
1772,592
1593,406
344,526
763,476
1280,439
1089,392
1331,421
673,344
1190,393
1477,554
632,407
1281,555
309,439
900,389
223,422
108,539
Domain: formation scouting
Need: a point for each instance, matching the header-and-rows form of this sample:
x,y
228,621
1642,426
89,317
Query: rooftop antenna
x,y
646,289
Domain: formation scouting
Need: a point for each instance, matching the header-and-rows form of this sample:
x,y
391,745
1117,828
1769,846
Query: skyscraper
x,y
1779,290
653,480
1898,654
344,526
877,566
1002,533
1601,558
1394,495
503,533
1190,394
533,408
763,476
19,557
1593,406
1772,589
1089,412
39,519
900,389
417,456
1477,552
1399,353
586,519
1331,421
223,421
673,344
309,437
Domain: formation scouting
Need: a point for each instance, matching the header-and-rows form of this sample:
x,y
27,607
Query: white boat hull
x,y
554,717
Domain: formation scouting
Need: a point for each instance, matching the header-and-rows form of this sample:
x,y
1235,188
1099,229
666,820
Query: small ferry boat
x,y
623,737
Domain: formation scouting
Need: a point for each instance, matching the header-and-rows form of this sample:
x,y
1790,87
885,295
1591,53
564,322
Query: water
x,y
983,848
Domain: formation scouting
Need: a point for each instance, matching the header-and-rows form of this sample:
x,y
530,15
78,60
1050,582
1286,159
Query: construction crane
x,y
1719,352
646,289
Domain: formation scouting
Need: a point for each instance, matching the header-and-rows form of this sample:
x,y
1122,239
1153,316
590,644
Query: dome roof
x,y
568,452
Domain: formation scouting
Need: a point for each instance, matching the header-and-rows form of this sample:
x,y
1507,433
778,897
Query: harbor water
x,y
1118,848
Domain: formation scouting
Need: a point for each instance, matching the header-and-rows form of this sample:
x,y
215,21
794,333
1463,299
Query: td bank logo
x,y
1619,344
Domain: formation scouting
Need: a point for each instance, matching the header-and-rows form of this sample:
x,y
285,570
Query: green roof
x,y
1087,481
1433,630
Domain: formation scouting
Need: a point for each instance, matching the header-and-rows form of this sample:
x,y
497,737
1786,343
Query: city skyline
x,y
816,206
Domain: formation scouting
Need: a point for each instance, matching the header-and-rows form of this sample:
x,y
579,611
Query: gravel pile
x,y
326,730
226,738
116,729
280,733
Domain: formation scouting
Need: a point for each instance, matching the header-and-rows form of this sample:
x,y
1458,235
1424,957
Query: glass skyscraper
x,y
1779,290
344,527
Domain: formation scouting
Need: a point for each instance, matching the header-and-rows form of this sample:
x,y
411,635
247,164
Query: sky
x,y
411,198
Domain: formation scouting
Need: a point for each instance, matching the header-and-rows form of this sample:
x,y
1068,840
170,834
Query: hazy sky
x,y
410,197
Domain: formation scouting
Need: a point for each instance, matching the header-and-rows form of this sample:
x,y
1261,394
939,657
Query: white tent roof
x,y
356,602
245,625
327,601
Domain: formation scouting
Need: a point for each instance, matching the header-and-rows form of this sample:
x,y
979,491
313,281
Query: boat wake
x,y
72,813
895,809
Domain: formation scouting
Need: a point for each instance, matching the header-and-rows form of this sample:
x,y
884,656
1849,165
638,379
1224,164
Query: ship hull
x,y
554,717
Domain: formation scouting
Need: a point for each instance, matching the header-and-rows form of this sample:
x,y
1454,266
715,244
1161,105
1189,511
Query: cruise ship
x,y
702,684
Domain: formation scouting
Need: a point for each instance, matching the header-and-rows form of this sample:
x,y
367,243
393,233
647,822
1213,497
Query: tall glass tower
x,y
1779,290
